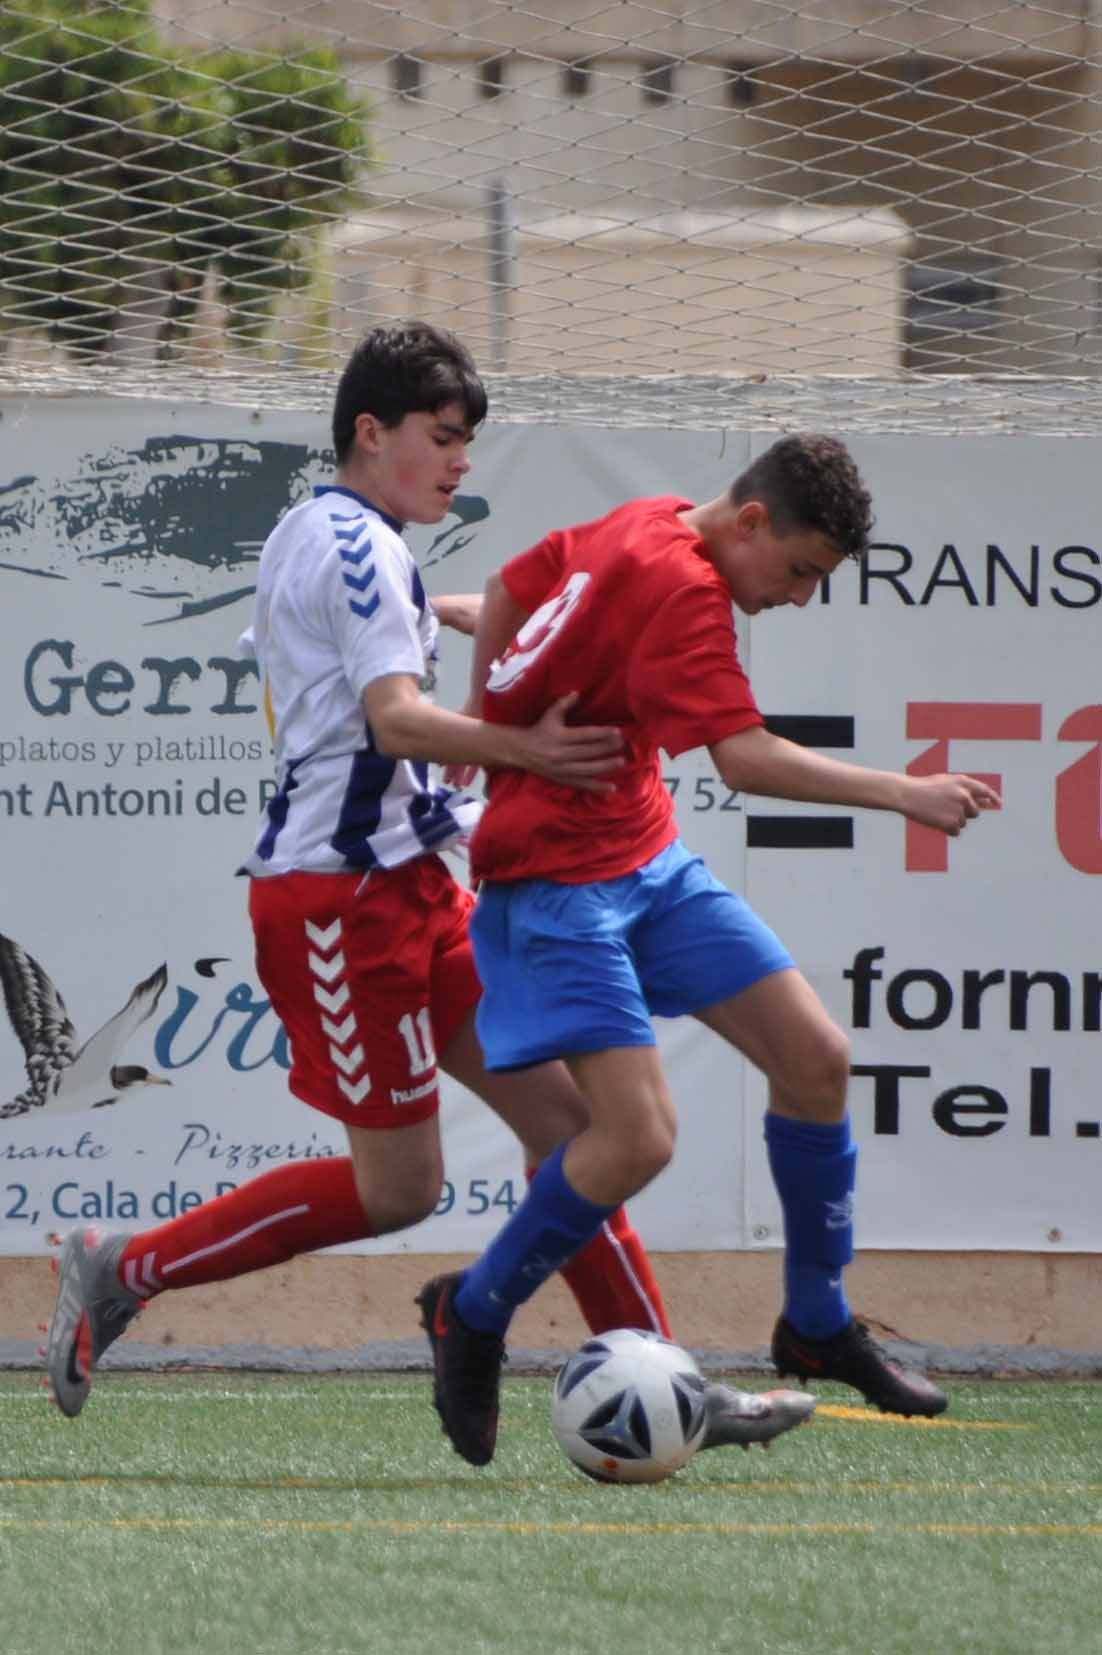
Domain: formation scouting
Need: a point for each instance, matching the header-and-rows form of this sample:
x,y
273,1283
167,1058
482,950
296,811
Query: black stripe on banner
x,y
799,832
812,729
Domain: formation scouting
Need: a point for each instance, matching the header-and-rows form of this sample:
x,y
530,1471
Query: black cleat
x,y
854,1357
466,1371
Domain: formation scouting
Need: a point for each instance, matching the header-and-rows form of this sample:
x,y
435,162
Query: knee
x,y
816,1080
612,1166
649,1151
397,1206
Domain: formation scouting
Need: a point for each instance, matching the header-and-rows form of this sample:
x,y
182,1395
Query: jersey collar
x,y
338,488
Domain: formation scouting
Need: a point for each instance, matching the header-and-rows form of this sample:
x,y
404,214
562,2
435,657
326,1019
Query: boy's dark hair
x,y
809,481
407,368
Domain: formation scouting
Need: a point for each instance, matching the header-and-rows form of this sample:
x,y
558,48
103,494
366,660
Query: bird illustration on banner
x,y
63,1075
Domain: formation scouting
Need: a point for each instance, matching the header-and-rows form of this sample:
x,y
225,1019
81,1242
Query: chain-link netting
x,y
869,213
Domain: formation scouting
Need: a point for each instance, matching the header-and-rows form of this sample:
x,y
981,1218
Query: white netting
x,y
868,213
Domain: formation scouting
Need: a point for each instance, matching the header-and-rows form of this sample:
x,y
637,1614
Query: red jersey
x,y
629,612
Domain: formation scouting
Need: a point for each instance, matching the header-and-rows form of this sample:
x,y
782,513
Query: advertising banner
x,y
134,764
967,972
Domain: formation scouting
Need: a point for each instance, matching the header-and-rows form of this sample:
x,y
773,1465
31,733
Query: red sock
x,y
613,1282
293,1209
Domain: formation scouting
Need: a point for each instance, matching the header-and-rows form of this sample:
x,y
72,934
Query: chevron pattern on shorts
x,y
325,958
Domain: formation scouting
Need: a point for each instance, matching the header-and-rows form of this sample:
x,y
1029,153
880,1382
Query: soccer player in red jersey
x,y
592,917
360,928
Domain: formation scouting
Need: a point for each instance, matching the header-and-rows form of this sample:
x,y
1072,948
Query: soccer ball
x,y
628,1407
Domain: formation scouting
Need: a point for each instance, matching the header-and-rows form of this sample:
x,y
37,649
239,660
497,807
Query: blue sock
x,y
551,1224
815,1170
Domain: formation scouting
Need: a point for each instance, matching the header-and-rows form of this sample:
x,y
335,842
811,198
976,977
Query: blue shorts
x,y
583,968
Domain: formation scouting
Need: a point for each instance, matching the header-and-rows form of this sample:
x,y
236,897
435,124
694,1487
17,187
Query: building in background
x,y
835,186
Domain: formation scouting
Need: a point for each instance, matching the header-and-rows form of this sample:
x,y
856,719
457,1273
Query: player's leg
x,y
608,1081
781,1026
467,1314
352,1060
104,1280
557,977
348,971
703,939
626,1141
611,1278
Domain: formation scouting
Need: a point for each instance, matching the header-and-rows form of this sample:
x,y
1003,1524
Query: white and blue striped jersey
x,y
339,603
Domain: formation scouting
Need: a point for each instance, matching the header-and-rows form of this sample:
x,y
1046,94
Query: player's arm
x,y
511,595
407,725
754,761
500,619
459,610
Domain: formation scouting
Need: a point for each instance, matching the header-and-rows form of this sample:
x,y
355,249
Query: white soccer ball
x,y
628,1407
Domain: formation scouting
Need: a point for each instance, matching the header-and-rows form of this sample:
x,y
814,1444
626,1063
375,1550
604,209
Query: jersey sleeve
x,y
686,684
367,592
530,576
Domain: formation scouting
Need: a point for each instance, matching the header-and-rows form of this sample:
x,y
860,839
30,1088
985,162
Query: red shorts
x,y
368,986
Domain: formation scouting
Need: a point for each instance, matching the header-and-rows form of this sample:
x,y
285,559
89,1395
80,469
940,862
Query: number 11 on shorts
x,y
416,1030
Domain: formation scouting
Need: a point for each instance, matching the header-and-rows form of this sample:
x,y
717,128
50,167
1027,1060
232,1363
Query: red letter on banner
x,y
945,721
1079,794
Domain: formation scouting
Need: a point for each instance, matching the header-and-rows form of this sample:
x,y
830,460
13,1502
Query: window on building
x,y
407,75
953,299
657,83
576,79
491,77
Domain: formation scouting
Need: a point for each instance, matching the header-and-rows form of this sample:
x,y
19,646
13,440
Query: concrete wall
x,y
719,1302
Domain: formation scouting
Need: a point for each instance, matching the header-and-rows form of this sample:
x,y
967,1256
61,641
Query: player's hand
x,y
948,802
574,755
460,775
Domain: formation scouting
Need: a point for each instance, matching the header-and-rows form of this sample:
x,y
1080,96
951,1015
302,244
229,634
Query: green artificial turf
x,y
230,1514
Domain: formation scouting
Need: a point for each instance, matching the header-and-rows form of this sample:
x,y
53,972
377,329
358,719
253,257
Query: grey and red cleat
x,y
742,1418
466,1371
92,1309
854,1358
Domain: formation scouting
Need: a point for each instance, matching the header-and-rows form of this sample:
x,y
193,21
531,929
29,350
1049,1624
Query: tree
x,y
125,162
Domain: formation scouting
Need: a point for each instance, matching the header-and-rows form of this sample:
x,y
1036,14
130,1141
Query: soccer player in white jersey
x,y
360,928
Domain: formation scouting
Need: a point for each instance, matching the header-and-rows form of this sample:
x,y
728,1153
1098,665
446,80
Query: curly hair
x,y
408,368
809,481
